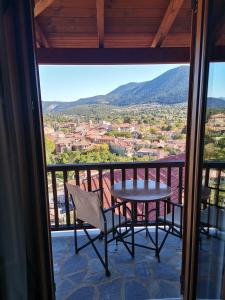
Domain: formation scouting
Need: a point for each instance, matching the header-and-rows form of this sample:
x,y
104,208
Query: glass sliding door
x,y
211,210
205,194
211,240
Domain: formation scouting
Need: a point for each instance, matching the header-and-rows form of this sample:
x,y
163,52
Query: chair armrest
x,y
97,190
113,207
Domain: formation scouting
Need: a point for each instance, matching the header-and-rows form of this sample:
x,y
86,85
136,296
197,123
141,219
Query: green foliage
x,y
167,128
152,131
97,153
116,133
49,150
178,136
214,152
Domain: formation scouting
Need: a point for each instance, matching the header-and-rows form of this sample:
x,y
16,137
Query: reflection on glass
x,y
211,259
211,254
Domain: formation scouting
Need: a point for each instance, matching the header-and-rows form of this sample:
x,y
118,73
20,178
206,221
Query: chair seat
x,y
169,217
214,217
118,220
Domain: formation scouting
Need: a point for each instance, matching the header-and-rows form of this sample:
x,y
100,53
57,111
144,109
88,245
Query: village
x,y
124,139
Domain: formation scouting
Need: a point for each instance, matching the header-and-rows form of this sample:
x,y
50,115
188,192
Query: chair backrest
x,y
87,205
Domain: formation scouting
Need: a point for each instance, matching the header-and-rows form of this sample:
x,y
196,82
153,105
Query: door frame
x,y
195,131
27,255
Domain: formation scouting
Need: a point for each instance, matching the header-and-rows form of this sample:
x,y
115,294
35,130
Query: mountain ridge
x,y
171,87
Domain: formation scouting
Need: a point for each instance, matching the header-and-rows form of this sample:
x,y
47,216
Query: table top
x,y
140,190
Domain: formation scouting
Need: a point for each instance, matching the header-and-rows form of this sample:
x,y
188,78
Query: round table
x,y
142,191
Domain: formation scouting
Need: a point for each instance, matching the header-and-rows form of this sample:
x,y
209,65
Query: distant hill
x,y
216,103
169,88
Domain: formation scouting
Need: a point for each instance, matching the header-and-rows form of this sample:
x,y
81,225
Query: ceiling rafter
x,y
219,29
167,22
100,22
40,36
41,6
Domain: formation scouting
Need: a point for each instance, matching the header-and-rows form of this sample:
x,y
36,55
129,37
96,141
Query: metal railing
x,y
103,175
214,178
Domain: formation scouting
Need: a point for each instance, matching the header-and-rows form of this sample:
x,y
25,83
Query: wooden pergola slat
x,y
167,22
100,21
41,6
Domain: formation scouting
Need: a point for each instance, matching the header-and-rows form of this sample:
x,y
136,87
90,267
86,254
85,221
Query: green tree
x,y
49,150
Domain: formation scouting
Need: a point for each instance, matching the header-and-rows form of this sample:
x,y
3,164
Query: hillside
x,y
170,87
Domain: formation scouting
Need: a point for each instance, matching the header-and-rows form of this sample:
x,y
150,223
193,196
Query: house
x,y
125,127
156,153
48,130
82,145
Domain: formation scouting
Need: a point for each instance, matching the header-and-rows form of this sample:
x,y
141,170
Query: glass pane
x,y
211,243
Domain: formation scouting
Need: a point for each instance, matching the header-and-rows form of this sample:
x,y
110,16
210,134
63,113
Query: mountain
x,y
169,88
216,102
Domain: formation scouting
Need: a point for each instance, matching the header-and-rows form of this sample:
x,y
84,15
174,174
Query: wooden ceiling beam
x,y
41,39
167,22
219,29
41,6
88,56
100,22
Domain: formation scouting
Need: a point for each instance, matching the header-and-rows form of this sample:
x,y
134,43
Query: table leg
x,y
146,218
132,227
157,232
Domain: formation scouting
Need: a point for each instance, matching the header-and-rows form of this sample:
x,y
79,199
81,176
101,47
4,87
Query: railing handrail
x,y
214,164
116,165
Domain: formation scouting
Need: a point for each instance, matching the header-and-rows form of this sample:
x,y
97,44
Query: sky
x,y
70,83
216,86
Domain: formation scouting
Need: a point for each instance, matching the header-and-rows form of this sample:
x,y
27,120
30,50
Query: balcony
x,y
82,276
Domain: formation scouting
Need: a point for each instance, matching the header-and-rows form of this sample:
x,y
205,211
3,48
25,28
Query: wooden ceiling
x,y
113,24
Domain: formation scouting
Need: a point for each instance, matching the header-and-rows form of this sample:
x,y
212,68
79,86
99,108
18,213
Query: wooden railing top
x,y
214,164
130,165
116,165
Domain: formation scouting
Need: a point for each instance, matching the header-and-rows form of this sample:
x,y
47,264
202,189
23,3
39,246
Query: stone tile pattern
x,y
82,277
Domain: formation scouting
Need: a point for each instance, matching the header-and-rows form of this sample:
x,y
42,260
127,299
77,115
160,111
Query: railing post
x,y
67,208
55,200
168,208
180,186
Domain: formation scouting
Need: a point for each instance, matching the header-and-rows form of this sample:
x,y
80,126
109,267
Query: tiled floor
x,y
82,277
211,266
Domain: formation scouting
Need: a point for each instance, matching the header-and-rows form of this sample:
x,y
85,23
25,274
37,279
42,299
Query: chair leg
x,y
75,237
91,241
157,232
120,238
107,273
101,236
132,229
146,219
